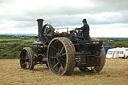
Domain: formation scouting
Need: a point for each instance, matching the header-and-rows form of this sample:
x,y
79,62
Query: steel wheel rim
x,y
57,57
24,60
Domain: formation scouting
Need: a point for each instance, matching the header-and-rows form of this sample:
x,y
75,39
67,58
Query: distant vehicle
x,y
117,53
113,53
123,53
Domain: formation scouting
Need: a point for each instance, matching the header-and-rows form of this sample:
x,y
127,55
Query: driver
x,y
85,29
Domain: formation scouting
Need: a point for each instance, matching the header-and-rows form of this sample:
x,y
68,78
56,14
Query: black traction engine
x,y
62,52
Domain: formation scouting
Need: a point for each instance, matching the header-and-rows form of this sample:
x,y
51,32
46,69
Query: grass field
x,y
115,72
29,40
16,39
9,39
10,48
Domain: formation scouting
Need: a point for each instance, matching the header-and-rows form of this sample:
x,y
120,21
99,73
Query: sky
x,y
106,18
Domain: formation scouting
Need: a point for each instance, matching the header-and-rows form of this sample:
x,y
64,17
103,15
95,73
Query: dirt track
x,y
115,72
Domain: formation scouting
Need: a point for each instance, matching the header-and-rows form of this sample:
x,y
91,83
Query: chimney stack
x,y
40,26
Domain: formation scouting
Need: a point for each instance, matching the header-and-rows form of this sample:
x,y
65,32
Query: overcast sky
x,y
106,18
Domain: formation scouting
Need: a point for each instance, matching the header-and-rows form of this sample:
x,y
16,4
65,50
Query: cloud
x,y
22,14
5,1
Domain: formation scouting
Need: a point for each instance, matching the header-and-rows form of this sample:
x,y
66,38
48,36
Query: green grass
x,y
116,44
29,40
17,39
10,39
10,48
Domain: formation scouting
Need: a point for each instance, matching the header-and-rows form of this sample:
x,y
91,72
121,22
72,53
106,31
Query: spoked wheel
x,y
96,69
61,56
26,58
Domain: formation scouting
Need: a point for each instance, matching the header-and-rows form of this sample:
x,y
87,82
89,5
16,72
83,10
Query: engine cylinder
x,y
38,47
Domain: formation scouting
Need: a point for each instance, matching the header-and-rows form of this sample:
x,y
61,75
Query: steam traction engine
x,y
62,52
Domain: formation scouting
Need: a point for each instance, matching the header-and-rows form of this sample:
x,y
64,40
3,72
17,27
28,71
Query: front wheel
x,y
26,58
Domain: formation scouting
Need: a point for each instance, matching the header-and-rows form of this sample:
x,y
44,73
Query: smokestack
x,y
40,25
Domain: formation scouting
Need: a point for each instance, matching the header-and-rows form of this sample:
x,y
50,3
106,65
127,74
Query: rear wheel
x,y
96,69
26,58
61,56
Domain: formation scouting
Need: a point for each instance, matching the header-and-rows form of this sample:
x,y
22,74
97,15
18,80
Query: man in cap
x,y
85,30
